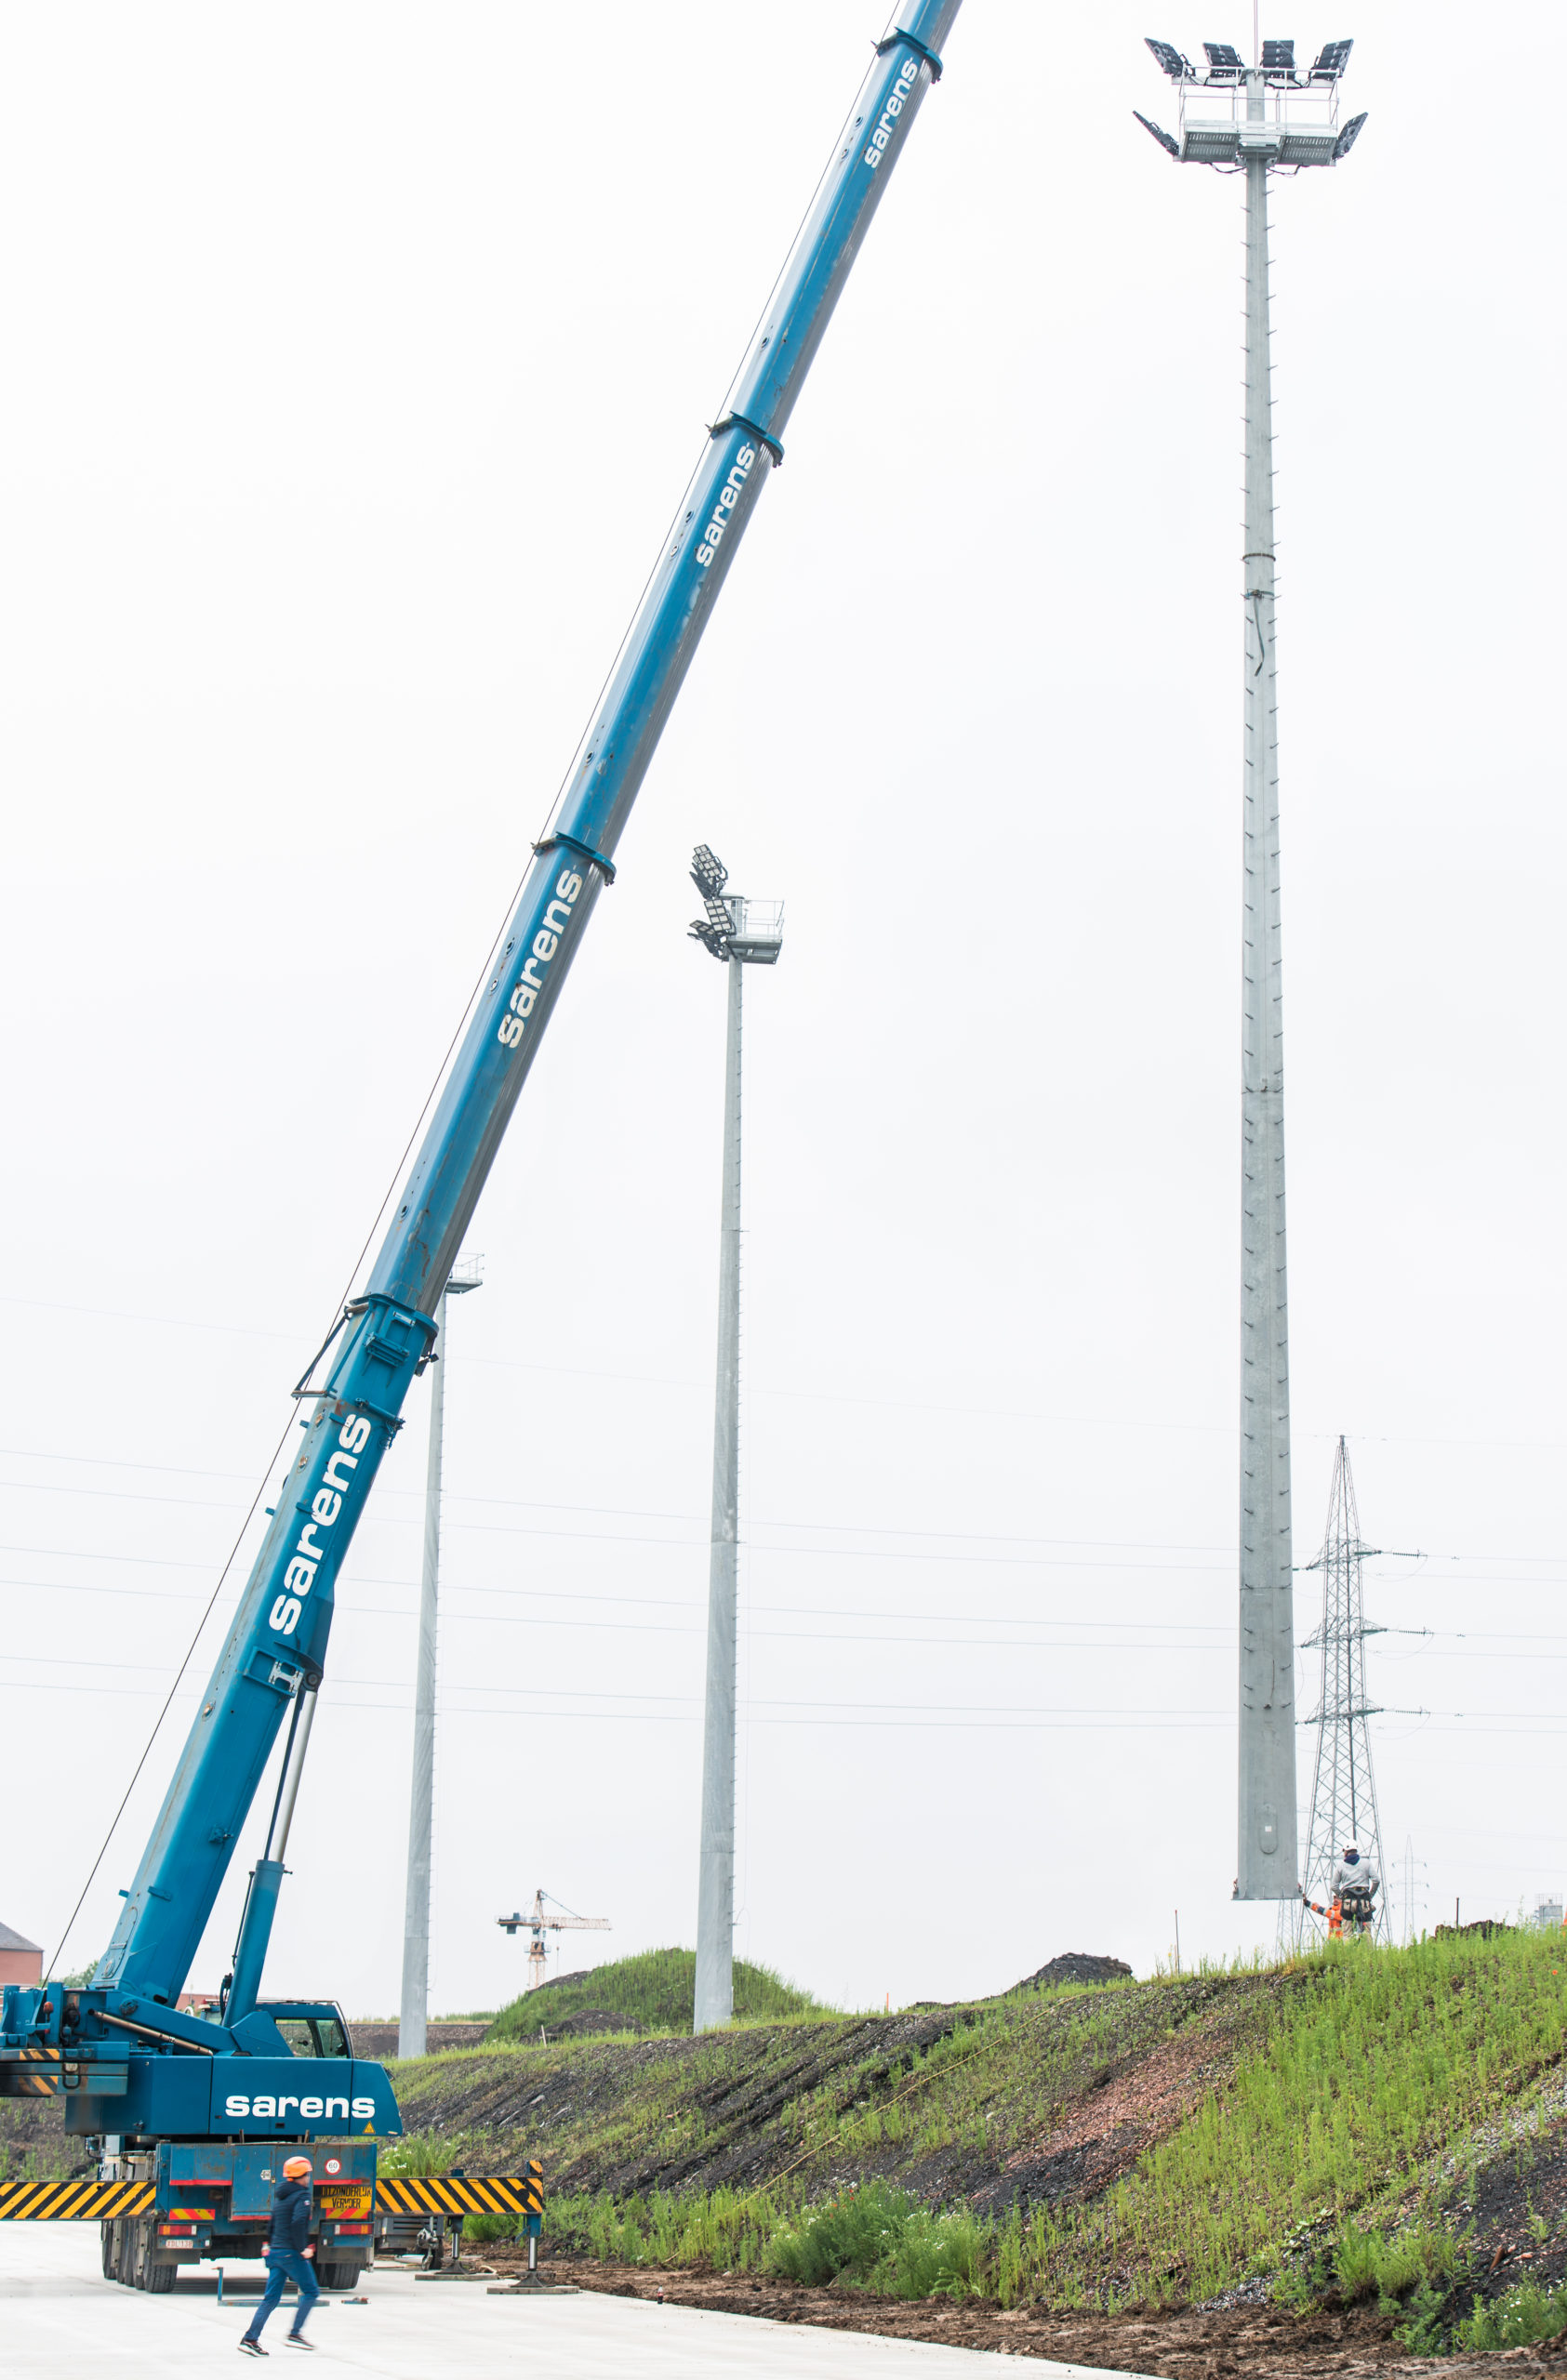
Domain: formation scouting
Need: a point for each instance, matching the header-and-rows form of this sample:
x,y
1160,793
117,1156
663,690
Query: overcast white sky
x,y
357,358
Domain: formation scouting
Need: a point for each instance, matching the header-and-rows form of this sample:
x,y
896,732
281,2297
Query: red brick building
x,y
21,1960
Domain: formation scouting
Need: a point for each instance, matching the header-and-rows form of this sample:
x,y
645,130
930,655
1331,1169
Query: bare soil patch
x,y
1260,2342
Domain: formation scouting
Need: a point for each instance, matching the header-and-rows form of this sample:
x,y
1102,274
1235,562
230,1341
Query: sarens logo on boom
x,y
724,504
325,1505
898,99
546,942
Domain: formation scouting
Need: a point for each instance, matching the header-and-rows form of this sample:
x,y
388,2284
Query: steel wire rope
x,y
397,1171
386,1198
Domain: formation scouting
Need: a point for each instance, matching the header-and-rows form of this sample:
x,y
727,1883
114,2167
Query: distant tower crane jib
x,y
539,1922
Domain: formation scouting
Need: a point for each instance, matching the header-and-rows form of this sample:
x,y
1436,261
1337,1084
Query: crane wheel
x,y
160,2277
340,2275
106,2236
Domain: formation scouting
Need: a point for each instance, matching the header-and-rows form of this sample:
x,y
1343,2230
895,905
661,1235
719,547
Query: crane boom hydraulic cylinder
x,y
276,1647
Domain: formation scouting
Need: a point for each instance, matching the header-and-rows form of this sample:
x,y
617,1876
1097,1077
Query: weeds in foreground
x,y
717,2227
481,2229
1369,2263
417,2153
1520,2317
881,2238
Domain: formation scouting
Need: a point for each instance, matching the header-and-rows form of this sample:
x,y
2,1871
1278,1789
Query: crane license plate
x,y
342,2198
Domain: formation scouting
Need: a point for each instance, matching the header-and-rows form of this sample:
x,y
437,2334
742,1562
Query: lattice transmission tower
x,y
1343,1787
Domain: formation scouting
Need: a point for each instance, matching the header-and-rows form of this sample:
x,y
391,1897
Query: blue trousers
x,y
285,2265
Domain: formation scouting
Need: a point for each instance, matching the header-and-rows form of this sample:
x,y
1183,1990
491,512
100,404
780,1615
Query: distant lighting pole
x,y
1256,119
742,933
413,2015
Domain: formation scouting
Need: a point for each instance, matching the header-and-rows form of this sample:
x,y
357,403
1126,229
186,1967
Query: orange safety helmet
x,y
293,2166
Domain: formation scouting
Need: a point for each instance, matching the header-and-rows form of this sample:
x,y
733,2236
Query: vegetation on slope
x,y
1360,2124
655,1992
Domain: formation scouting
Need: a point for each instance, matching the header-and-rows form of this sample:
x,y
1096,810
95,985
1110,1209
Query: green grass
x,y
1331,2148
722,2229
882,2240
656,1991
418,2154
1522,2317
1374,2061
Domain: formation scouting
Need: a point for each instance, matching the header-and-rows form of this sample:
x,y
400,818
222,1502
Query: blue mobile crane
x,y
195,2109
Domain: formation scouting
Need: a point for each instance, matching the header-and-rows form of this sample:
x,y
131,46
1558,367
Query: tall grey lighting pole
x,y
1256,120
742,933
414,2011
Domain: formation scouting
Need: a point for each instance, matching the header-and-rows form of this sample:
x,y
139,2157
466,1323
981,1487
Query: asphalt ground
x,y
60,2318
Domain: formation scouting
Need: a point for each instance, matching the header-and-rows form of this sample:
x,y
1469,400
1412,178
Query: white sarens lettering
x,y
270,2110
544,943
724,504
907,76
325,1506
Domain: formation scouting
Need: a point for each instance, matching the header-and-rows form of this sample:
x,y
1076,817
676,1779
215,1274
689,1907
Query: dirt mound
x,y
1075,1966
591,2020
377,2037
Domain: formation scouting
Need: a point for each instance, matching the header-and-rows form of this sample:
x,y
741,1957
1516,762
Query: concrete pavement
x,y
60,2320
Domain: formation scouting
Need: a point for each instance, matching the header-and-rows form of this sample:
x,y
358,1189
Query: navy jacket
x,y
290,2217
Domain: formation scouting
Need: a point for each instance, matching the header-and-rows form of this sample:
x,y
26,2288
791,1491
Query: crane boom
x,y
131,2062
277,1644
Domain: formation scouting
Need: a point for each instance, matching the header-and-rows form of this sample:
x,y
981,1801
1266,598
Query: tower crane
x,y
540,1922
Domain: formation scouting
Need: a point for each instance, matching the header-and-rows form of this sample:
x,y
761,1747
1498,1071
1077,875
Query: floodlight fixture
x,y
1179,67
1235,113
1256,119
1165,140
709,875
734,928
1332,60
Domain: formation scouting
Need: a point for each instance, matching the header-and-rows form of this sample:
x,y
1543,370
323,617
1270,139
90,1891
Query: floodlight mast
x,y
1260,117
414,2005
741,934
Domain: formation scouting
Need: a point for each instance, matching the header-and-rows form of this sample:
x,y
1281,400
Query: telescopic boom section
x,y
277,1645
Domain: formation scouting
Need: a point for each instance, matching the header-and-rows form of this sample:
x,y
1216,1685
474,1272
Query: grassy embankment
x,y
655,1992
1325,2128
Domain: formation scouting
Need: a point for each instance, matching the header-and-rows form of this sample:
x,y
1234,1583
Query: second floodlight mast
x,y
413,2013
742,933
1256,119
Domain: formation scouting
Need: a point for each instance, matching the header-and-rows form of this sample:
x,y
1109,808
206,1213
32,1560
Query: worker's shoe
x,y
251,2346
296,2338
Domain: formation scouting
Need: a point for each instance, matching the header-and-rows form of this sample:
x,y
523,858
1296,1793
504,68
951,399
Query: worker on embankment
x,y
1355,1887
288,2254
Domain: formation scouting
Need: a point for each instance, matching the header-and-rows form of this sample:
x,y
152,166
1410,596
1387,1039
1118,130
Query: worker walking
x,y
288,2256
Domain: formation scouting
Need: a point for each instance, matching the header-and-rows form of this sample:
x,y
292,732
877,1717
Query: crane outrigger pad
x,y
87,2201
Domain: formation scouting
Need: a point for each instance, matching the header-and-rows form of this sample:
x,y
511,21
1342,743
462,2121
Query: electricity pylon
x,y
1342,1788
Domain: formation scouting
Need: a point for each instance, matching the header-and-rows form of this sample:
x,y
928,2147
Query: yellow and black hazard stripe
x,y
474,2194
81,2201
30,2074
